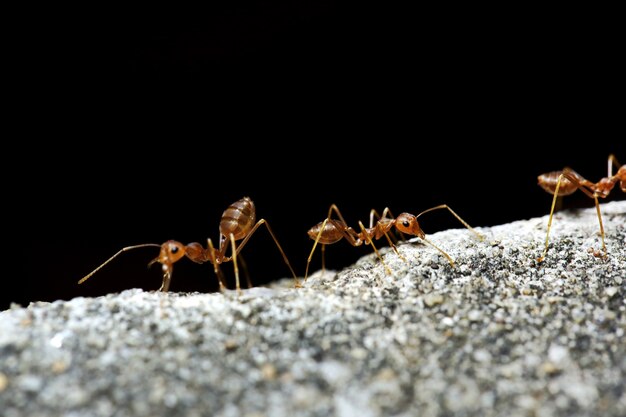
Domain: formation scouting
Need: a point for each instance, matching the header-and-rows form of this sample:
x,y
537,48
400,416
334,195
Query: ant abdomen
x,y
549,181
238,219
333,232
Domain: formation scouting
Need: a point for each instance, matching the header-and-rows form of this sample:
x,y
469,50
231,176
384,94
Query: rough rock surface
x,y
496,335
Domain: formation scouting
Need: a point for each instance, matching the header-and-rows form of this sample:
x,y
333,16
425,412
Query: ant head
x,y
171,251
407,223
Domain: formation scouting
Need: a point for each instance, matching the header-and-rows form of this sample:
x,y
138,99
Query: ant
x,y
333,230
238,222
567,181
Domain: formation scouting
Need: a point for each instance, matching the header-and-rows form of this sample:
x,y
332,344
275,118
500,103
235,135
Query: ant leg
x,y
370,242
167,278
346,232
601,226
583,185
216,267
612,160
445,206
394,247
282,252
244,266
440,250
382,223
333,207
372,213
556,194
620,175
587,187
317,239
234,257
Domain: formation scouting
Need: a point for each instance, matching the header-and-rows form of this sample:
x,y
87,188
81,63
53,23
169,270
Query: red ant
x,y
567,181
238,222
332,230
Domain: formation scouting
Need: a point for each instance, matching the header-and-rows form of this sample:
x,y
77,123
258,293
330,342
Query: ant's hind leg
x,y
234,249
280,249
601,225
317,239
554,198
584,186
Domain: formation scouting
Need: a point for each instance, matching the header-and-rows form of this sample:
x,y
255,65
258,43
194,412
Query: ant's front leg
x,y
167,278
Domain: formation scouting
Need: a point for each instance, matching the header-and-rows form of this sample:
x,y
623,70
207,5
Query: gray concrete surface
x,y
496,335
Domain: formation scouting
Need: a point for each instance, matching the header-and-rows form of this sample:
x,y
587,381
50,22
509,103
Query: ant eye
x,y
173,249
405,223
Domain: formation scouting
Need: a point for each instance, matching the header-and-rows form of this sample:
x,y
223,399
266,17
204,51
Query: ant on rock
x,y
567,181
237,223
333,230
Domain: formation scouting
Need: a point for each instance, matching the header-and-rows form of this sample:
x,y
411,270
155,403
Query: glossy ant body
x,y
567,181
333,230
237,223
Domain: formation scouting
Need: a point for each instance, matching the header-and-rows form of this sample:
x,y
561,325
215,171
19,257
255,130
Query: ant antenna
x,y
86,277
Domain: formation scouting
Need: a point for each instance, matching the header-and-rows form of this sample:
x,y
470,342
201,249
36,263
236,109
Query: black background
x,y
152,123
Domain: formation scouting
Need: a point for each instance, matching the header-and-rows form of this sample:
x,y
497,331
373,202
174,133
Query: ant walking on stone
x,y
238,222
333,230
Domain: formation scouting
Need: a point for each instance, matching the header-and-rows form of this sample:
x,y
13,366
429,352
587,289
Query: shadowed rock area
x,y
498,334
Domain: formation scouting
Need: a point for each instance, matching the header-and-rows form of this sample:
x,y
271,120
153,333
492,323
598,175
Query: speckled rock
x,y
497,334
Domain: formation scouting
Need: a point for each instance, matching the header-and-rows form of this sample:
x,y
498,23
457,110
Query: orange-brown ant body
x,y
567,181
238,223
333,230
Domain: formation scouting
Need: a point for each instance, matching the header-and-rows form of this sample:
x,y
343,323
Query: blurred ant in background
x,y
567,181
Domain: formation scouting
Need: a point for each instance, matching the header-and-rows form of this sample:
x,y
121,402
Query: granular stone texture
x,y
497,334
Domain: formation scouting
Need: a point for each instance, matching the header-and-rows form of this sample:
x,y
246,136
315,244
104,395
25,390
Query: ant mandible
x,y
567,181
237,223
333,230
